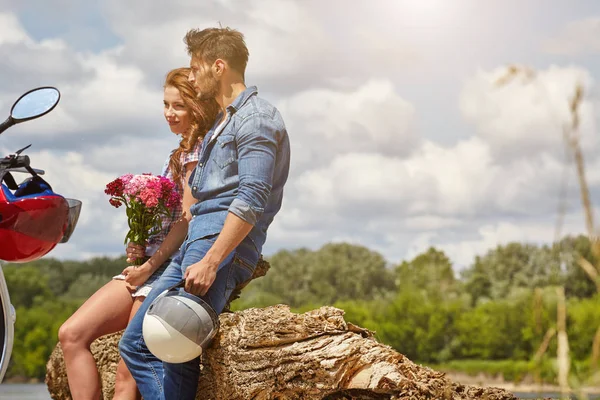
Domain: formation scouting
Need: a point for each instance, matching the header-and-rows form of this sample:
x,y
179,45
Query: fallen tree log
x,y
272,353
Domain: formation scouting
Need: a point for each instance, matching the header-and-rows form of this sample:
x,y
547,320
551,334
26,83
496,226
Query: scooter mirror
x,y
35,103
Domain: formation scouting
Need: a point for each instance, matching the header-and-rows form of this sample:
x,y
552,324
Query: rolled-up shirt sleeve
x,y
257,141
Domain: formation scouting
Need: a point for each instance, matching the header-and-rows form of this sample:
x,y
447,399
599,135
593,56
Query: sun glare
x,y
425,12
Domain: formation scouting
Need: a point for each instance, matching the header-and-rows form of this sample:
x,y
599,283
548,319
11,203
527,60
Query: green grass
x,y
511,370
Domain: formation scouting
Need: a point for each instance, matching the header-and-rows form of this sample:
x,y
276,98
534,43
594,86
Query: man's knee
x,y
128,344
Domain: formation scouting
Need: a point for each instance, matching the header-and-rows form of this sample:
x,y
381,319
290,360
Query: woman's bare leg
x,y
125,386
107,311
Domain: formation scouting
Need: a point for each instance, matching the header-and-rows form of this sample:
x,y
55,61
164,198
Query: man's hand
x,y
199,277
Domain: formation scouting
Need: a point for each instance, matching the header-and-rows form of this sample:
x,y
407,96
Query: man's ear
x,y
219,67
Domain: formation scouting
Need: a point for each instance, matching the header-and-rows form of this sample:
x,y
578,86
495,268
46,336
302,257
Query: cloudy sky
x,y
400,137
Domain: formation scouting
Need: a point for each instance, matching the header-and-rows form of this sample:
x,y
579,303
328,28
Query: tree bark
x,y
272,353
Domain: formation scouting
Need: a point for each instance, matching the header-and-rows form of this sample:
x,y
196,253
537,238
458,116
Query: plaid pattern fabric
x,y
155,241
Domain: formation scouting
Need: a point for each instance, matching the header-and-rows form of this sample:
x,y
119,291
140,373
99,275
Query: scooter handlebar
x,y
25,171
15,162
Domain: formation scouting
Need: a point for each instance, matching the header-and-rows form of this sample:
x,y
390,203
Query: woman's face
x,y
176,113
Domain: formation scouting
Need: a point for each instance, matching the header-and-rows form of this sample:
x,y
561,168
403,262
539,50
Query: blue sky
x,y
399,139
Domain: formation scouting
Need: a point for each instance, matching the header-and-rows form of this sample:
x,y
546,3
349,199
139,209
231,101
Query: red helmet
x,y
33,219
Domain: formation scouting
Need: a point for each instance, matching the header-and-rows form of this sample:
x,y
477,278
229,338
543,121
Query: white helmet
x,y
178,326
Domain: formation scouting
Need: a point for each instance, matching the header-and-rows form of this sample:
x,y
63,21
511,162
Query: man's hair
x,y
212,43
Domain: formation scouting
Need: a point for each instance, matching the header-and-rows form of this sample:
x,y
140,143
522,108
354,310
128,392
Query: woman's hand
x,y
135,252
137,275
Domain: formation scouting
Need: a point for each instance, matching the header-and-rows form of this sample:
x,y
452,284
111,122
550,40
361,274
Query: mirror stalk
x,y
6,124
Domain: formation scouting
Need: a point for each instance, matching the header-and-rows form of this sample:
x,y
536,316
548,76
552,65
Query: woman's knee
x,y
70,334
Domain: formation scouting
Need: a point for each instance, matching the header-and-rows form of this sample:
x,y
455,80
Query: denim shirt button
x,y
199,164
195,188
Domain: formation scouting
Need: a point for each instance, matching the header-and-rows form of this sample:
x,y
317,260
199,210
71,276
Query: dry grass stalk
x,y
540,353
590,270
562,350
514,71
572,136
545,343
538,305
596,350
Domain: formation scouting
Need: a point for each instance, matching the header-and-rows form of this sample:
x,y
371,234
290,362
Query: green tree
x,y
344,271
336,272
494,330
583,320
430,271
576,281
419,325
25,284
85,286
36,331
478,282
511,266
289,277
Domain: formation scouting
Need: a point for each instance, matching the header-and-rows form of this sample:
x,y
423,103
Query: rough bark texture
x,y
271,353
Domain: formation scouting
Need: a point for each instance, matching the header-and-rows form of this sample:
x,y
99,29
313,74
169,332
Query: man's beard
x,y
210,89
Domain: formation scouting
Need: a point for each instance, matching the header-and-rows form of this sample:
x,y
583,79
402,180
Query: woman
x,y
112,306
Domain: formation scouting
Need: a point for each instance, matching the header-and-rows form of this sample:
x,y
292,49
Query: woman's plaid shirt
x,y
186,158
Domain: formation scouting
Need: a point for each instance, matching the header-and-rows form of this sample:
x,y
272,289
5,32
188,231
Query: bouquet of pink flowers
x,y
147,199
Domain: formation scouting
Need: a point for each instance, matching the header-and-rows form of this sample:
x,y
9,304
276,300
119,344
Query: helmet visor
x,y
187,314
74,211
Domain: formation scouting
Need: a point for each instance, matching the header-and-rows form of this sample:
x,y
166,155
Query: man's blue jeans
x,y
164,381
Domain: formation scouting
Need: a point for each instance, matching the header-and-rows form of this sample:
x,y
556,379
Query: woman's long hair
x,y
203,115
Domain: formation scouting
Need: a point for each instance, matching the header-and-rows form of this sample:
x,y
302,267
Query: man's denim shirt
x,y
242,168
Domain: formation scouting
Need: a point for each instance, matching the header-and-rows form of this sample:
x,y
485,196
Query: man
x,y
238,182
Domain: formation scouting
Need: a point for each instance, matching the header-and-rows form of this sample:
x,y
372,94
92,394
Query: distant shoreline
x,y
483,380
20,380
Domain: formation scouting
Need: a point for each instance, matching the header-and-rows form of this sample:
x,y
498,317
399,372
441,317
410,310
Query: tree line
x,y
493,313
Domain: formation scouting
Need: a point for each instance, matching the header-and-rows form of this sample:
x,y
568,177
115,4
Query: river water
x,y
10,391
16,391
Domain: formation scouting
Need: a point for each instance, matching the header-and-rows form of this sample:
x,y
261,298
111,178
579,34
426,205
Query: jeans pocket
x,y
240,272
209,238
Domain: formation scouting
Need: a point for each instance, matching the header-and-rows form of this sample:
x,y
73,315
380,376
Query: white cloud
x,y
11,30
526,117
434,179
101,100
576,38
325,123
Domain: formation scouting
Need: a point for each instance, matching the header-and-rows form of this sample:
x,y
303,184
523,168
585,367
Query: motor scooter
x,y
33,219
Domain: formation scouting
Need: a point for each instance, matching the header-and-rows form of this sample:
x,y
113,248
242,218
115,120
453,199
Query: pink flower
x,y
135,185
143,195
148,197
126,178
173,199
